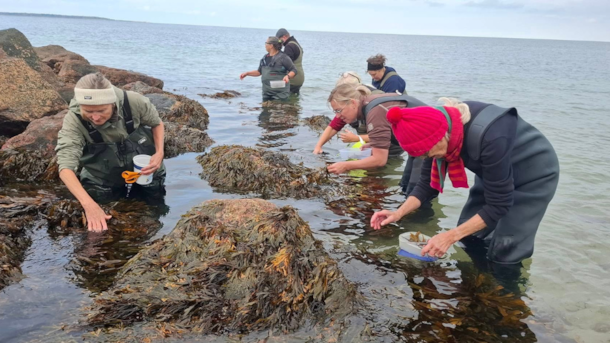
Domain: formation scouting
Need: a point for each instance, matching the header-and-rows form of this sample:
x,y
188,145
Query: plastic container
x,y
277,84
352,153
409,248
139,162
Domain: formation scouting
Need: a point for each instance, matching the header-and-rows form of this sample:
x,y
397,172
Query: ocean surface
x,y
561,87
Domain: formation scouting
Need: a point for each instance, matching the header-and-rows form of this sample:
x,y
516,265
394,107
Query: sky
x,y
538,19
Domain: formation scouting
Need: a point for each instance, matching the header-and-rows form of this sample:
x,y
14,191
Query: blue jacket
x,y
393,84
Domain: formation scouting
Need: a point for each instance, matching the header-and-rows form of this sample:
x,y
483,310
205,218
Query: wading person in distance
x,y
293,49
385,78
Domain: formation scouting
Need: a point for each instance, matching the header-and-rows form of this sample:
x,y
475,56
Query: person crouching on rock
x,y
352,102
274,68
516,170
102,132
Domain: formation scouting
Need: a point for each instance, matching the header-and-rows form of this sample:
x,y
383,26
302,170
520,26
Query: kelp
x,y
239,169
16,215
98,259
227,94
28,165
317,123
475,308
229,266
180,139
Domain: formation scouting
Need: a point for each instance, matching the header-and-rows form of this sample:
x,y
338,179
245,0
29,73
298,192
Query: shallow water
x,y
561,87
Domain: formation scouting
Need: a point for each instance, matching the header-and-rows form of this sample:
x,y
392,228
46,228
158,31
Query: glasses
x,y
267,43
348,74
341,110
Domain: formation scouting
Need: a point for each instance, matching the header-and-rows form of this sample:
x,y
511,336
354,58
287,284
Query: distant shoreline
x,y
53,16
263,28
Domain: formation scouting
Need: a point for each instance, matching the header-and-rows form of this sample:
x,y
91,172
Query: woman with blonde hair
x,y
516,170
352,102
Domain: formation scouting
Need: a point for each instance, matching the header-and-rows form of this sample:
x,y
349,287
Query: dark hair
x,y
275,42
378,59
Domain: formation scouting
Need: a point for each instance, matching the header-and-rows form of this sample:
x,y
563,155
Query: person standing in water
x,y
274,66
516,168
385,78
293,49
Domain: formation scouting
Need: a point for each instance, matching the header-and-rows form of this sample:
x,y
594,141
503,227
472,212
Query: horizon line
x,y
259,28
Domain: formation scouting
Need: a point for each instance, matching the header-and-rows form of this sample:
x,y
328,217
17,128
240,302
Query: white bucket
x,y
139,162
352,153
277,84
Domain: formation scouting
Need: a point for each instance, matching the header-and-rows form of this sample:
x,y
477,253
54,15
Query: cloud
x,y
435,4
494,4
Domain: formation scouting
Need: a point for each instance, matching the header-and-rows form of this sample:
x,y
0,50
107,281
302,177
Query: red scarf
x,y
457,172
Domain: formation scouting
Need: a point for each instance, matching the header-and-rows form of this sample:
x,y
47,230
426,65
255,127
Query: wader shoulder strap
x,y
386,77
479,126
127,114
95,135
411,102
297,44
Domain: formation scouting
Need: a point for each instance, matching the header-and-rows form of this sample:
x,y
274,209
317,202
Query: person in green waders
x,y
102,132
274,66
293,49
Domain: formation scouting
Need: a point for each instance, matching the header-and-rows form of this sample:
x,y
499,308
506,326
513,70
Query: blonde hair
x,y
349,77
93,81
346,92
460,106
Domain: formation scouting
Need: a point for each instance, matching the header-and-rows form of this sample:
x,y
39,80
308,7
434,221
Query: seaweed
x,y
229,266
317,123
227,94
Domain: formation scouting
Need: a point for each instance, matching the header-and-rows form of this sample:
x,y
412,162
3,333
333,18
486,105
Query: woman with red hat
x,y
516,170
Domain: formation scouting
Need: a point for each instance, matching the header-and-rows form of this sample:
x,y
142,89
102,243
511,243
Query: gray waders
x,y
274,71
536,175
299,79
103,162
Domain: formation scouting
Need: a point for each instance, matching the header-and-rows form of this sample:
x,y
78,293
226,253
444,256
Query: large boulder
x,y
230,266
180,109
14,44
121,77
24,96
40,135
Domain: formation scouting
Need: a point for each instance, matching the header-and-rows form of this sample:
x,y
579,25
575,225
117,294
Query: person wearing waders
x,y
103,130
274,66
352,102
293,49
516,170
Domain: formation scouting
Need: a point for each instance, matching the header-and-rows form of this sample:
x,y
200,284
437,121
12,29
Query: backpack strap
x,y
411,102
127,114
386,77
95,135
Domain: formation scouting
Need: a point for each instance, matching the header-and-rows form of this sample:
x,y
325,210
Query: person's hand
x,y
348,137
155,163
243,75
318,150
96,218
286,79
338,168
383,218
438,245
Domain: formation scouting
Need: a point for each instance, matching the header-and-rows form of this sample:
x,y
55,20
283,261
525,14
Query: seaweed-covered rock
x,y
180,109
228,94
242,170
28,165
317,123
230,266
24,96
180,139
141,88
121,77
16,213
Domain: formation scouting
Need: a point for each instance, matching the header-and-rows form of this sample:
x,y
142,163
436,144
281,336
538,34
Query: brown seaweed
x,y
28,165
229,266
317,123
227,94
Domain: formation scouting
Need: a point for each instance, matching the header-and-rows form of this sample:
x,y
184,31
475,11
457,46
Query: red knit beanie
x,y
417,129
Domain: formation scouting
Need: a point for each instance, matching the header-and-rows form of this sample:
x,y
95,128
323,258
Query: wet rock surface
x,y
242,170
229,266
141,88
228,94
121,77
24,96
180,109
317,123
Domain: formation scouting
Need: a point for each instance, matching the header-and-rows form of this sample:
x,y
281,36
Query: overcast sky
x,y
552,19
